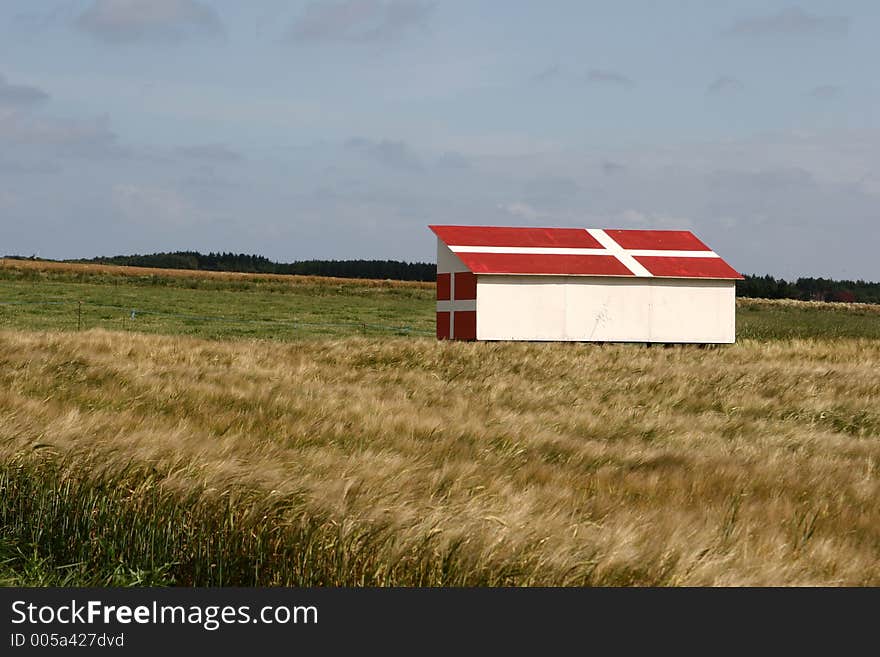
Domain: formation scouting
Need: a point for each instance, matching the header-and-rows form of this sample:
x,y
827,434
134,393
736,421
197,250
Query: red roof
x,y
584,252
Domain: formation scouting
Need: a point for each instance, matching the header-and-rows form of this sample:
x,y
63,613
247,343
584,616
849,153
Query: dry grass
x,y
550,464
79,269
811,306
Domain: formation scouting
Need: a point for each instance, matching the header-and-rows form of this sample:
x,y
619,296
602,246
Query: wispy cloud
x,y
550,190
521,210
792,21
725,84
206,179
210,153
30,167
547,74
392,154
826,92
92,139
20,95
128,21
359,21
453,160
152,205
611,78
610,168
763,181
38,19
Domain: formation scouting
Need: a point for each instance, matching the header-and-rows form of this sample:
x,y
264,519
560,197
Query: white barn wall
x,y
447,261
605,309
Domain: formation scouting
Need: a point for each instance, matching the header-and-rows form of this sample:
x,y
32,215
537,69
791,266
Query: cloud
x,y
154,206
7,199
88,138
724,85
762,182
19,167
359,21
599,76
547,74
550,190
392,154
38,19
20,95
521,210
129,21
32,142
210,153
826,92
792,21
610,168
453,160
632,218
206,179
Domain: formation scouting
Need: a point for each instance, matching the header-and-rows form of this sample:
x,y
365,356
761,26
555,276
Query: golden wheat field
x,y
417,462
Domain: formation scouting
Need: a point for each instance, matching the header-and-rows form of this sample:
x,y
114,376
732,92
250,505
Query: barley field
x,y
158,457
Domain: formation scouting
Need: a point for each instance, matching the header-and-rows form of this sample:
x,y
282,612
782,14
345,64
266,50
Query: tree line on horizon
x,y
808,289
755,286
255,264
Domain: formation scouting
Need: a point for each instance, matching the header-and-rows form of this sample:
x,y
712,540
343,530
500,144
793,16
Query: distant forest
x,y
766,287
809,289
254,264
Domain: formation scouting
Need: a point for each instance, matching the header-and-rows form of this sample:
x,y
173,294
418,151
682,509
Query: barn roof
x,y
584,252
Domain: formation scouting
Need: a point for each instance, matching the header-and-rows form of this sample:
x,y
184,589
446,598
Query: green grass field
x,y
278,310
212,308
253,431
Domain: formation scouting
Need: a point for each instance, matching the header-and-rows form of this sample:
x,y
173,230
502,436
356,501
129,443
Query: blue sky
x,y
339,129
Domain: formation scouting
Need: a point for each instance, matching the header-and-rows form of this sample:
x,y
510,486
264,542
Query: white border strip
x,y
615,249
549,250
535,250
461,304
672,254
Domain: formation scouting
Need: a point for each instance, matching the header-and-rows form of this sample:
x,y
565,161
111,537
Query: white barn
x,y
575,284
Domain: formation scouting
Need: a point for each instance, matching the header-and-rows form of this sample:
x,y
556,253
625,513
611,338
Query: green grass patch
x,y
786,320
208,308
268,308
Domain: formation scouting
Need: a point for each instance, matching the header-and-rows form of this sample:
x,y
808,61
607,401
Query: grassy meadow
x,y
55,296
213,452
